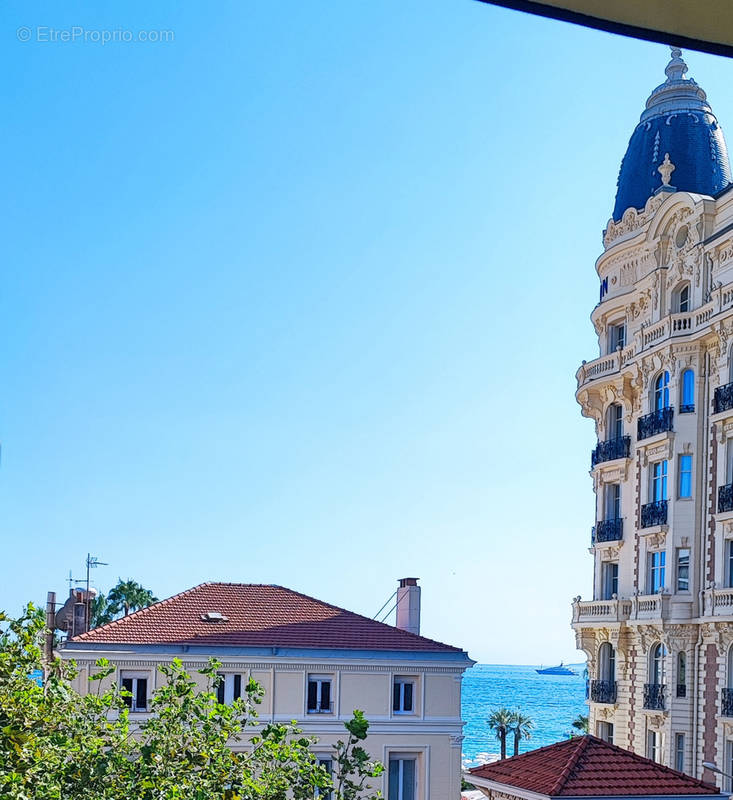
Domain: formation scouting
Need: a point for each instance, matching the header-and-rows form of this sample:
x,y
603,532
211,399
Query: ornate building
x,y
658,632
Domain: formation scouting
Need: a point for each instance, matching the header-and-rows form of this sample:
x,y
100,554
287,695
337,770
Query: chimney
x,y
408,605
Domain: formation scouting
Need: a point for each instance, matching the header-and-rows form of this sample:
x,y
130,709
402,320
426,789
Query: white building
x,y
316,663
658,630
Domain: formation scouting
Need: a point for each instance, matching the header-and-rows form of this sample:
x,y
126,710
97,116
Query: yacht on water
x,y
558,670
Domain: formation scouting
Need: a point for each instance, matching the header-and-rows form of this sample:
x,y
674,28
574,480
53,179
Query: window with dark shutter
x,y
407,705
141,696
221,687
312,696
237,686
127,686
396,697
325,696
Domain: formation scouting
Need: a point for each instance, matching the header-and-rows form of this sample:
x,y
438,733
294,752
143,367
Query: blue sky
x,y
298,297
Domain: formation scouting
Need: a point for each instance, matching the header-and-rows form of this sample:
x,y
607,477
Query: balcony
x,y
654,696
654,514
723,399
610,449
608,530
603,691
687,408
726,703
605,611
658,421
725,498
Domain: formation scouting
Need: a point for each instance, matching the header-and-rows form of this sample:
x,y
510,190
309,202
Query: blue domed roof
x,y
677,121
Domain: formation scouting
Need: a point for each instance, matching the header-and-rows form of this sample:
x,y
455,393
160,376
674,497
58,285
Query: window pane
x,y
141,698
394,779
127,685
312,695
325,695
237,686
408,779
396,696
408,697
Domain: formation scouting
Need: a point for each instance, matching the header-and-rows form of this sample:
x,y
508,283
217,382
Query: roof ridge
x,y
570,766
139,611
364,617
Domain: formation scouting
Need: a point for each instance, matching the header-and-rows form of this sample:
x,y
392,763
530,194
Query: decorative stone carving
x,y
665,169
631,220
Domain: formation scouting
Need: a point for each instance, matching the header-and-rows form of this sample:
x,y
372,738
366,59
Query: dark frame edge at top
x,y
609,26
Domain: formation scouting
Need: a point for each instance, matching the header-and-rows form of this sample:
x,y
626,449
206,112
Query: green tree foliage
x,y
57,744
127,596
521,726
580,723
500,721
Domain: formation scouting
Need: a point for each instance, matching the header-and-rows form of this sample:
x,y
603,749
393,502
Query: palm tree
x,y
129,596
99,611
500,721
521,726
580,723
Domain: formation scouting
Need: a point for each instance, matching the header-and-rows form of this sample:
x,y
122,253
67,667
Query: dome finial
x,y
676,69
665,169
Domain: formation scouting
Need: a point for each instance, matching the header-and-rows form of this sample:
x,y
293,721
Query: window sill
x,y
404,713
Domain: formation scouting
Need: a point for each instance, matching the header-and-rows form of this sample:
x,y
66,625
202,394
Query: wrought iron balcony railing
x,y
656,422
654,696
654,514
723,398
603,691
725,497
726,703
608,530
687,408
610,449
681,690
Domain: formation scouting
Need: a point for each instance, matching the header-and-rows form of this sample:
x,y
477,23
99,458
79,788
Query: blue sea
x,y
552,701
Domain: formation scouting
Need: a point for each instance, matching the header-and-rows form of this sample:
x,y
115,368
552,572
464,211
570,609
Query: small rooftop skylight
x,y
214,616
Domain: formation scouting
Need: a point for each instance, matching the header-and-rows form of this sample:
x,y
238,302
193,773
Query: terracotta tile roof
x,y
586,766
256,616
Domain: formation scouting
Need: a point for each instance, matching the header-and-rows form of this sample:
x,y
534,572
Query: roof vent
x,y
214,616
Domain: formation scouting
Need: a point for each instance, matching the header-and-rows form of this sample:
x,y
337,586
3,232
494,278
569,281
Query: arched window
x,y
661,391
681,299
687,406
607,662
656,664
681,674
615,421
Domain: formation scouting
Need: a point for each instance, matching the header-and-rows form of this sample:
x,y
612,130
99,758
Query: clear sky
x,y
298,297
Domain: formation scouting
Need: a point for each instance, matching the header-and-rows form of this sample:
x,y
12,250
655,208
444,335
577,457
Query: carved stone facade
x,y
663,577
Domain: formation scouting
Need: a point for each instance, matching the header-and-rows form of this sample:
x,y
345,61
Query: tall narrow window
x,y
615,421
402,778
729,670
661,391
607,662
319,694
685,476
610,579
605,731
229,688
659,480
654,746
613,501
327,764
683,569
729,460
656,570
683,300
137,685
403,695
616,336
656,664
679,752
681,674
687,406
